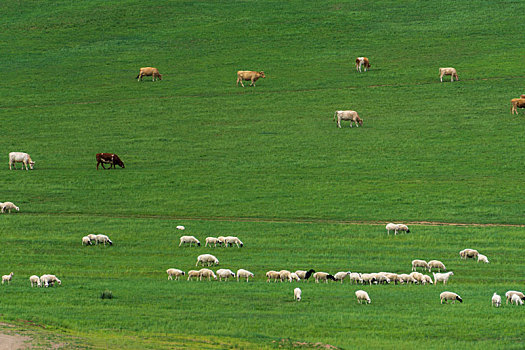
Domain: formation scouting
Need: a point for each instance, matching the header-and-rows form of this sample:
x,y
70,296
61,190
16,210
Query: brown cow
x,y
516,103
109,158
149,71
249,75
522,96
362,61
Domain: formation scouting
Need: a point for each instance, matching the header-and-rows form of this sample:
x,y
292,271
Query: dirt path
x,y
14,342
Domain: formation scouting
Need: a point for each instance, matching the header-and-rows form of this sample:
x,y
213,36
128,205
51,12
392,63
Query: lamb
x,y
190,240
446,296
272,275
206,273
192,273
510,293
174,272
7,278
20,157
448,71
340,276
362,295
285,274
35,280
207,259
355,277
212,240
180,227
483,258
295,277
516,300
420,263
8,206
468,253
442,277
230,241
86,241
103,239
436,264
225,273
242,273
297,294
496,300
47,280
323,276
305,275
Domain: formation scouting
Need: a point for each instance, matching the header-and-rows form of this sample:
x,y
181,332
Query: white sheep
x,y
436,264
407,278
190,240
86,241
442,277
242,273
297,294
272,275
355,277
403,227
468,253
381,278
295,277
207,273
174,272
510,293
207,259
35,281
340,276
225,273
192,273
391,227
8,206
285,275
222,240
446,296
47,280
483,258
103,239
417,276
368,278
7,278
362,295
427,279
212,240
230,241
516,300
92,237
323,276
180,227
392,277
304,275
496,300
420,263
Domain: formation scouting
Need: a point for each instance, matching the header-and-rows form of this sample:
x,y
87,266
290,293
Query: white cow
x,y
20,157
348,115
448,71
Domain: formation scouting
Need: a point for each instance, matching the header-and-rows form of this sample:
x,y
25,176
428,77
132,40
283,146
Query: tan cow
x,y
362,61
249,75
516,103
149,71
448,71
348,115
522,96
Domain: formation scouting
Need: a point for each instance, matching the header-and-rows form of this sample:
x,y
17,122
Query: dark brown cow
x,y
109,158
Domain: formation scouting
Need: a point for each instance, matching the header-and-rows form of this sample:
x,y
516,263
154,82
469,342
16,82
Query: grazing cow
x,y
20,157
249,75
348,115
149,71
362,61
515,104
109,158
522,96
448,71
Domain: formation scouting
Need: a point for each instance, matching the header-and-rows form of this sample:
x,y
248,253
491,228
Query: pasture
x,y
266,164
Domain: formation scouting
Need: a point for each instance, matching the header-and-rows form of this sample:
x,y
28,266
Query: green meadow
x,y
266,164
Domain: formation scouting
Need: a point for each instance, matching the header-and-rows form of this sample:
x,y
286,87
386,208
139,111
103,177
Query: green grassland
x,y
265,163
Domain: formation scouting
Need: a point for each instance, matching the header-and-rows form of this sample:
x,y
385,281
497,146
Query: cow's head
x,y
119,162
31,163
360,121
160,76
261,73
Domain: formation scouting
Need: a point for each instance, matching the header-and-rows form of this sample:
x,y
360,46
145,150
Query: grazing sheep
x,y
305,275
483,258
225,273
442,277
381,278
391,227
272,275
516,300
446,296
295,277
285,274
92,237
7,206
103,239
403,227
297,294
427,279
222,240
448,71
340,276
368,278
230,241
86,241
47,280
392,277
355,277
362,295
190,240
212,240
7,278
407,278
192,273
510,293
496,300
436,264
418,276
420,263
35,280
323,276
206,273
180,227
468,253
242,273
174,272
207,259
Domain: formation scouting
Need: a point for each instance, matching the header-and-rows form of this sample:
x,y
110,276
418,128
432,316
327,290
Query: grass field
x,y
267,164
